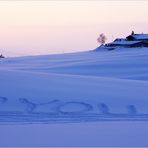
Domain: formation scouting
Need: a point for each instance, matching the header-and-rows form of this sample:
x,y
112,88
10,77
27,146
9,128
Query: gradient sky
x,y
45,27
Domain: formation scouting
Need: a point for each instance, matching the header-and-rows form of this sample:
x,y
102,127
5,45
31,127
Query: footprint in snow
x,y
131,109
3,99
74,108
103,108
29,105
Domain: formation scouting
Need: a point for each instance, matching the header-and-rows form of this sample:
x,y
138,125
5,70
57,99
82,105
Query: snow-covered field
x,y
63,96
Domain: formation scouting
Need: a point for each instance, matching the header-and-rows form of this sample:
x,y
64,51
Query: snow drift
x,y
85,86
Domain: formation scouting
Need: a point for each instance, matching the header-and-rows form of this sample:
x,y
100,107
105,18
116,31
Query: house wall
x,y
141,44
130,38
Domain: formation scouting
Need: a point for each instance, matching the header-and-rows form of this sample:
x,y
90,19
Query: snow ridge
x,y
78,87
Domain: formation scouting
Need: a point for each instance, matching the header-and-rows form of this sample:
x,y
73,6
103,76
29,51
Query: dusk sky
x,y
46,27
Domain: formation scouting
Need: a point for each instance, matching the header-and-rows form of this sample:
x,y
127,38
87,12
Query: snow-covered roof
x,y
119,39
140,36
124,42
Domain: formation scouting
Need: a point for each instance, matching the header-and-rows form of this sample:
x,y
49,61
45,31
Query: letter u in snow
x,y
131,109
103,108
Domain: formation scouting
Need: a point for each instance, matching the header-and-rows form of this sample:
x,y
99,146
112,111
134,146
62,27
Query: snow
x,y
124,42
86,95
140,36
100,134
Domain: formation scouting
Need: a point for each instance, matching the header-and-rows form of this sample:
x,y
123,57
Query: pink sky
x,y
45,27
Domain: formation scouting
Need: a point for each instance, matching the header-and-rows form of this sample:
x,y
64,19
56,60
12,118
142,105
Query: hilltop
x,y
69,95
131,41
73,83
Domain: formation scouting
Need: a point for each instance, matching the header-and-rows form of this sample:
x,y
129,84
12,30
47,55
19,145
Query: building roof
x,y
140,36
119,39
124,42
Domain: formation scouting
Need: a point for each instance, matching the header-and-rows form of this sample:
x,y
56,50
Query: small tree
x,y
101,39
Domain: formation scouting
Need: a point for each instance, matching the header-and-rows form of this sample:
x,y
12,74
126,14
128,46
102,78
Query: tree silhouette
x,y
102,39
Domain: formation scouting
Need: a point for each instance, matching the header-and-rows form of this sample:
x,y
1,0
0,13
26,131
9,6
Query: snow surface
x,y
100,134
140,36
124,42
104,91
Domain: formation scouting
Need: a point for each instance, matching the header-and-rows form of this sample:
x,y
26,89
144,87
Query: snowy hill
x,y
84,86
61,100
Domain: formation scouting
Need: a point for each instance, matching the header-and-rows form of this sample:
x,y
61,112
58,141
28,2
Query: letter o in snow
x,y
74,108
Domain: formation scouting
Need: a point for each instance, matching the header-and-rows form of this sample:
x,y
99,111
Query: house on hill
x,y
133,40
138,37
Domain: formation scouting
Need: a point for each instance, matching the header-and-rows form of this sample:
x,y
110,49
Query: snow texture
x,y
100,90
105,85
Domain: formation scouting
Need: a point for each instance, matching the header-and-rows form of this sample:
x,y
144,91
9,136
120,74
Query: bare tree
x,y
101,39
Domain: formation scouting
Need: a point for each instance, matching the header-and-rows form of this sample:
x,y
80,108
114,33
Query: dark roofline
x,y
133,37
